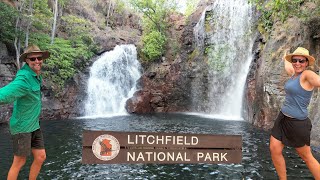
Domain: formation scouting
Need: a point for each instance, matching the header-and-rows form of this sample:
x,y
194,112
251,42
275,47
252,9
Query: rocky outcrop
x,y
265,93
167,85
70,102
111,25
7,73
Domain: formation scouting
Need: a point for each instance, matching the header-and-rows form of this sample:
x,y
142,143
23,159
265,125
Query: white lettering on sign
x,y
157,156
211,156
163,140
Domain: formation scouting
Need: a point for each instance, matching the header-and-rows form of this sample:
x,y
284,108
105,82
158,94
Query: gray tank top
x,y
297,99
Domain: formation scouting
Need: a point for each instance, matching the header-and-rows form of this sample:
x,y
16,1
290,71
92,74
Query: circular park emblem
x,y
105,147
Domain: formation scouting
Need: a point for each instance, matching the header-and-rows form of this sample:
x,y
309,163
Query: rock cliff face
x,y
7,73
265,93
167,86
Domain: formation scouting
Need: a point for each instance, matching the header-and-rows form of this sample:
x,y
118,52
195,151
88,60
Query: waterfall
x,y
227,45
112,81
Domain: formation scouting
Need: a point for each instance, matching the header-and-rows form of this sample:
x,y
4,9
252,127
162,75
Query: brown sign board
x,y
111,147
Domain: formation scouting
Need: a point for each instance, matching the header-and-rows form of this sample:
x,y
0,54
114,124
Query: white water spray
x,y
228,42
112,81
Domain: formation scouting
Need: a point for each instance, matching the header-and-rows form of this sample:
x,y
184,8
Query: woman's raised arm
x,y
287,65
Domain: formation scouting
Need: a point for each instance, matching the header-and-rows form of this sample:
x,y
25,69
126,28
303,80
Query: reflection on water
x,y
63,140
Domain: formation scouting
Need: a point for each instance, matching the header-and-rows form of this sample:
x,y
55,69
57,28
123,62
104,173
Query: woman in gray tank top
x,y
292,126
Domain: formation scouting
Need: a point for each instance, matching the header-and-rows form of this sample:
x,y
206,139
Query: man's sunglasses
x,y
34,58
298,60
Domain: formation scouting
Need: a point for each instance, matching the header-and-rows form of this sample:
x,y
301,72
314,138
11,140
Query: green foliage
x,y
65,54
42,16
191,6
210,21
155,23
153,45
155,11
195,53
77,28
120,6
8,16
63,3
61,65
208,49
274,10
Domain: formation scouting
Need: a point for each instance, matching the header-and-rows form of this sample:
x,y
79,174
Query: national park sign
x,y
110,147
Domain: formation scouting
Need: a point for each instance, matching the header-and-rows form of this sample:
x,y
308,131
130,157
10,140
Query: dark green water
x,y
63,140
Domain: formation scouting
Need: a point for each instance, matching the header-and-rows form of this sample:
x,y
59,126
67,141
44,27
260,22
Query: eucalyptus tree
x,y
18,29
56,5
156,15
54,24
156,11
31,14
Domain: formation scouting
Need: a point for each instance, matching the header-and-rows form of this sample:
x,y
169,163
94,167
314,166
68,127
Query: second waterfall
x,y
225,35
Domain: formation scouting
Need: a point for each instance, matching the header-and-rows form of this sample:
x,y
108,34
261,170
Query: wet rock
x,y
140,103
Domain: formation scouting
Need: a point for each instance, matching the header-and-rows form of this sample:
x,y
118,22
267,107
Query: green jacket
x,y
25,92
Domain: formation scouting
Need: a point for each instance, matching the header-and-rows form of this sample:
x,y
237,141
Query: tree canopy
x,y
31,23
155,15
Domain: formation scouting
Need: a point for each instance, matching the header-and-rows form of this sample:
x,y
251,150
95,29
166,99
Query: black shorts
x,y
23,142
292,132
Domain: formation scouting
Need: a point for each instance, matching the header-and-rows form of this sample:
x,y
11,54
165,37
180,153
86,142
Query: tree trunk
x,y
108,12
54,21
17,44
30,12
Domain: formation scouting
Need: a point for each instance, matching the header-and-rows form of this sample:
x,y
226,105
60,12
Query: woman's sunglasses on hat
x,y
298,60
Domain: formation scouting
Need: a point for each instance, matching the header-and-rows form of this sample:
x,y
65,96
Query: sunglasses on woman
x,y
34,58
298,60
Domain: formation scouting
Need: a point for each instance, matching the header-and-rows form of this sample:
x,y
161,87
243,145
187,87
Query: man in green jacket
x,y
25,92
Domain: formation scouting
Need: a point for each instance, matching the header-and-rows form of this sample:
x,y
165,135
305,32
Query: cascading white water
x,y
112,81
228,42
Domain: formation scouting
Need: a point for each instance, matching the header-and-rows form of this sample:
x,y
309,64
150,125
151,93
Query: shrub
x,y
153,45
8,16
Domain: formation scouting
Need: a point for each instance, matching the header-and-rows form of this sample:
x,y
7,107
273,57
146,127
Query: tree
x,y
155,23
109,11
76,27
18,30
29,22
8,15
54,25
154,45
155,11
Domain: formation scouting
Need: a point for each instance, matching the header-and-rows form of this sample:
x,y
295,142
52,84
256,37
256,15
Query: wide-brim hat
x,y
34,49
300,51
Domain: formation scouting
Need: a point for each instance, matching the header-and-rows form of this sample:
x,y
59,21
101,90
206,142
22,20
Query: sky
x,y
181,5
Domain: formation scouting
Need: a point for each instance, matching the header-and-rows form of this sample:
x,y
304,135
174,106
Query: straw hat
x,y
33,49
300,51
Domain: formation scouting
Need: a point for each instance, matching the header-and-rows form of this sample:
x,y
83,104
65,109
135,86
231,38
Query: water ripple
x,y
63,140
